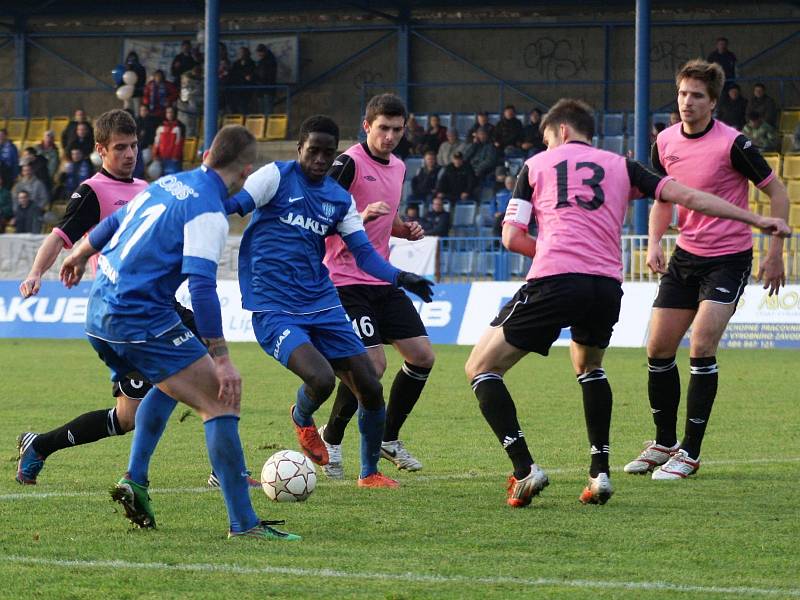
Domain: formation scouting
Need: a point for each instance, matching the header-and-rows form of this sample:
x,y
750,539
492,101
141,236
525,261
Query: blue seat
x,y
422,120
464,214
494,118
614,143
660,117
613,124
514,165
446,119
464,122
486,262
461,262
518,265
413,163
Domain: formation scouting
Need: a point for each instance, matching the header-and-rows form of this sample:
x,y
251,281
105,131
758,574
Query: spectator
x,y
796,139
37,192
437,220
77,170
168,145
423,183
725,59
414,134
674,117
146,125
732,107
69,131
183,61
658,127
763,105
38,166
190,102
449,147
6,206
500,204
224,78
242,76
27,218
132,64
500,174
159,94
508,133
9,160
266,73
762,134
481,155
457,181
403,148
532,140
83,140
434,136
481,120
412,214
47,148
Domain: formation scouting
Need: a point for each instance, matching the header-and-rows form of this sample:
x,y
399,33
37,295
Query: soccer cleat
x,y
265,531
213,481
651,457
334,469
396,452
522,491
598,491
312,445
29,463
136,502
679,466
377,480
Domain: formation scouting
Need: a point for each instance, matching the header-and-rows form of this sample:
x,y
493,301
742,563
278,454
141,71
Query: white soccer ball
x,y
288,476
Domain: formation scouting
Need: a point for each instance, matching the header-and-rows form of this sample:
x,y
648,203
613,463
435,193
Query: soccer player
x,y
708,271
579,196
297,315
381,313
174,230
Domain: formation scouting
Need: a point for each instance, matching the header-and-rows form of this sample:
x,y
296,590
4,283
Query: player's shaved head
x,y
575,113
709,73
318,124
233,147
387,105
113,122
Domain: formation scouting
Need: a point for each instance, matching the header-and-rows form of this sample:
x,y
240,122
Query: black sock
x,y
664,391
499,411
87,428
344,407
597,402
699,400
407,387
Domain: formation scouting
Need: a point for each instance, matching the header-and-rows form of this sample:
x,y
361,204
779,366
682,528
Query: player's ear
x,y
205,155
365,126
100,149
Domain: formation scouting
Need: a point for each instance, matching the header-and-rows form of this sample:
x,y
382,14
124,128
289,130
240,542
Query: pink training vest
x,y
373,182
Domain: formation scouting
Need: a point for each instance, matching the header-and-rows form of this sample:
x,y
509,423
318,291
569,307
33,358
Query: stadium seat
x,y
660,117
793,189
277,126
494,118
413,163
256,124
232,119
36,128
422,120
794,215
612,124
791,166
787,143
464,215
461,262
189,152
614,143
58,125
3,122
514,165
774,161
486,262
518,265
446,119
464,121
630,123
789,119
406,191
17,128
638,269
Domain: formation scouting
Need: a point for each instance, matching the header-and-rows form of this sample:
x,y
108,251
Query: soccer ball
x,y
288,476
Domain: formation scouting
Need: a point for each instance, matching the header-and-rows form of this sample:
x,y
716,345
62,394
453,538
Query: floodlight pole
x,y
641,130
211,81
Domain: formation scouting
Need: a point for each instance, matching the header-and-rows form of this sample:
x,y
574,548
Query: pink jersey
x,y
719,161
579,196
372,181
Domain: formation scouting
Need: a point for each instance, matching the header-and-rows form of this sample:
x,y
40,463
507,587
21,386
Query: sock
x,y
344,407
304,409
407,387
499,411
370,424
664,391
597,402
151,419
227,460
699,400
87,428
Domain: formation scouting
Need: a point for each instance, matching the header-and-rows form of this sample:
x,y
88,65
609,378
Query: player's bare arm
x,y
772,270
45,258
659,220
518,240
374,210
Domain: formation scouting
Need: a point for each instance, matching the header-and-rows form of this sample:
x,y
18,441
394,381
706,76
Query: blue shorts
x,y
329,331
155,359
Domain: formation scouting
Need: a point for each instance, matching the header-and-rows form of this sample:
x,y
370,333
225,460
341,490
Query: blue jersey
x,y
175,228
280,257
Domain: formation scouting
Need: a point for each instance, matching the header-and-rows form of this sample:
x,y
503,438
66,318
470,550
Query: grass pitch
x,y
729,532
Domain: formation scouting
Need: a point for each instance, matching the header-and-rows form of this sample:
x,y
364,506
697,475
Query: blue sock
x,y
151,419
370,424
304,408
227,460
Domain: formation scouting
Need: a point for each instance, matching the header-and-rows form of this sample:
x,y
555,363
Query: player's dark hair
x,y
232,146
116,121
387,105
318,124
709,73
575,113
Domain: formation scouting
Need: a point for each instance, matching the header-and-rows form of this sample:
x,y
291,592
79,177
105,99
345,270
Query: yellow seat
x,y
793,189
189,152
794,215
787,143
256,124
234,119
2,123
277,126
773,160
58,125
791,166
790,117
17,128
36,128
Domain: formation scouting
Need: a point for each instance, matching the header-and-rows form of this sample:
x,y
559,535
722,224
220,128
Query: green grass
x,y
446,532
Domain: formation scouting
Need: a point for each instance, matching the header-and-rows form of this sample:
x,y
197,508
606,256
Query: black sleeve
x,y
83,213
642,178
655,160
522,189
746,159
343,170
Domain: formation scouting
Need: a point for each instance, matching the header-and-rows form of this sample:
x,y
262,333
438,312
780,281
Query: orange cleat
x,y
310,441
522,491
377,480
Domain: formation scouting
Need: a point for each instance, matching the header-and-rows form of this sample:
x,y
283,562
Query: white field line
x,y
411,478
408,577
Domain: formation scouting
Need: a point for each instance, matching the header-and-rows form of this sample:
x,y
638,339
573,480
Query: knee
x,y
370,393
380,366
424,358
321,385
127,421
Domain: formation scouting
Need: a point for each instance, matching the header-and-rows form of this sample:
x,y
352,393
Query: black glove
x,y
416,284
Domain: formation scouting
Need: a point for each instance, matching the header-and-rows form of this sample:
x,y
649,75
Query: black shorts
x,y
691,279
380,314
588,304
135,386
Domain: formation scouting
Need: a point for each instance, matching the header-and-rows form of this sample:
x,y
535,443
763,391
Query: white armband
x,y
518,212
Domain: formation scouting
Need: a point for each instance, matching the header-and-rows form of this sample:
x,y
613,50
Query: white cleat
x,y
651,457
396,452
598,491
679,466
334,469
522,491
